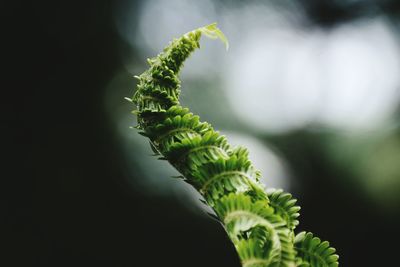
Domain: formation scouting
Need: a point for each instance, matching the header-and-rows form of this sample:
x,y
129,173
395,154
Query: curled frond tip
x,y
213,32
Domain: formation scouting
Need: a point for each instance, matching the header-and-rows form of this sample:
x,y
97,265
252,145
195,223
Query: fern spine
x,y
260,223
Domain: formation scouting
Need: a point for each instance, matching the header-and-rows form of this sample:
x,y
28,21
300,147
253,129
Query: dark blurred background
x,y
311,87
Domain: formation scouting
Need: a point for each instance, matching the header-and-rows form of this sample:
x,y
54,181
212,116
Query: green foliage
x,y
312,252
285,206
259,222
240,214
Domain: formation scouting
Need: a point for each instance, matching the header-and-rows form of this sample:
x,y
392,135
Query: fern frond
x,y
260,234
190,153
313,252
213,32
218,178
253,253
285,206
175,128
159,87
240,214
259,223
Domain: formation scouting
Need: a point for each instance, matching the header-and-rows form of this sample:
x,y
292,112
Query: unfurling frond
x,y
313,252
285,206
176,126
218,178
213,32
190,153
241,215
253,253
259,223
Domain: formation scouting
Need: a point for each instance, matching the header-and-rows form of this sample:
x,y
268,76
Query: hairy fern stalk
x,y
259,222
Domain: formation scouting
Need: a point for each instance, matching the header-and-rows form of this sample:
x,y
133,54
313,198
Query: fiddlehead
x,y
285,206
260,223
313,252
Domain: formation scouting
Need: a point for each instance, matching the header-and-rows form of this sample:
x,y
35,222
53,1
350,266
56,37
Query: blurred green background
x,y
312,88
